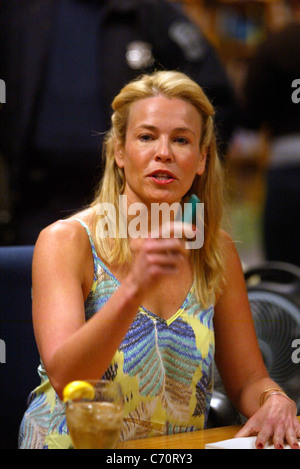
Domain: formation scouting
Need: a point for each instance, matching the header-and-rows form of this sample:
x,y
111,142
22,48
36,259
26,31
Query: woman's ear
x,y
119,154
202,161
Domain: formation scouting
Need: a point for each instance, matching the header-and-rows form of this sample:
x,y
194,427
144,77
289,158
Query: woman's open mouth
x,y
162,177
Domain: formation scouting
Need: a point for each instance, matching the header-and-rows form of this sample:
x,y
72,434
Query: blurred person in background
x,y
63,61
271,101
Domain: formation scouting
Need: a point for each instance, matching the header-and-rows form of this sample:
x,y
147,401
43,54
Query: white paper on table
x,y
239,443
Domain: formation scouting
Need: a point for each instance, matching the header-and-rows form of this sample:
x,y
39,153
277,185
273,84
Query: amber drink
x,y
96,424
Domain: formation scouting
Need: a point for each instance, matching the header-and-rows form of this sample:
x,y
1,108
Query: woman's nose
x,y
163,150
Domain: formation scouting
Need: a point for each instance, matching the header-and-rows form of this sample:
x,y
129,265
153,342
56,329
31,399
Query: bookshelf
x,y
236,27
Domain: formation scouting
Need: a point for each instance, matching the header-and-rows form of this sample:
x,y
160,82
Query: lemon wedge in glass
x,y
77,390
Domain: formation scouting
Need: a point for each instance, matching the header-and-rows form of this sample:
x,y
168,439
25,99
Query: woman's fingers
x,y
177,229
249,429
156,257
292,440
279,438
284,433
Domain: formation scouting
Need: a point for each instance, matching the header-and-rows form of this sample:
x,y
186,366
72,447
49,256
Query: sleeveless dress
x,y
165,368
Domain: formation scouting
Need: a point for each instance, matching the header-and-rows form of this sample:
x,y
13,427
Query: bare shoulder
x,y
233,277
226,237
64,241
62,233
229,246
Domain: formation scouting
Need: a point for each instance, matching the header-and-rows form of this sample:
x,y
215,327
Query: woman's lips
x,y
162,177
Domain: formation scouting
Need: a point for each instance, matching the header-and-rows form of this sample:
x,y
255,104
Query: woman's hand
x,y
276,420
159,255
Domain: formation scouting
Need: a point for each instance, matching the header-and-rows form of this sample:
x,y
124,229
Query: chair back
x,y
19,356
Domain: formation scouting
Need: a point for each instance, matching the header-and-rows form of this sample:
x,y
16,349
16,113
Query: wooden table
x,y
190,440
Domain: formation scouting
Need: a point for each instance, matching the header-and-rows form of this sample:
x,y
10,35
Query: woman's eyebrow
x,y
154,128
184,129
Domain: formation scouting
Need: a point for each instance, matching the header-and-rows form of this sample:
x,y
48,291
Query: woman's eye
x,y
145,137
181,140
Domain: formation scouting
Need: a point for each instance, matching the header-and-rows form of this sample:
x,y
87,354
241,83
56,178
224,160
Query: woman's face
x,y
161,155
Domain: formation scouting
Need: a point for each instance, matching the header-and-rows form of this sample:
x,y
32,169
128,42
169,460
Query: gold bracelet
x,y
263,395
272,392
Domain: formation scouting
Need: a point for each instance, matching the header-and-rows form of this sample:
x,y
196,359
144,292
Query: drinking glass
x,y
96,423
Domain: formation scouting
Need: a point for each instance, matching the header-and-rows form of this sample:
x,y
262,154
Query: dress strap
x,y
86,229
95,255
97,260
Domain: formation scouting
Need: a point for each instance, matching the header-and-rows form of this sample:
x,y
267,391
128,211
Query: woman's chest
x,y
169,294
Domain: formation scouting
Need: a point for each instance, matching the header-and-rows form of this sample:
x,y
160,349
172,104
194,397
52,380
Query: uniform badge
x,y
139,55
188,37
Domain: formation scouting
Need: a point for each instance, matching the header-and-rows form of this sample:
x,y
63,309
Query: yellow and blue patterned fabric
x,y
165,368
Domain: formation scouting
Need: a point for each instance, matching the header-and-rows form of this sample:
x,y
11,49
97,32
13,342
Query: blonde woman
x,y
148,310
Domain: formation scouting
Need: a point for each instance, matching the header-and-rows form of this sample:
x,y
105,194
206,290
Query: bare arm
x,y
237,353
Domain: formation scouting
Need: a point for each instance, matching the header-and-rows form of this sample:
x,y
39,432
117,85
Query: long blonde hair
x,y
207,261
